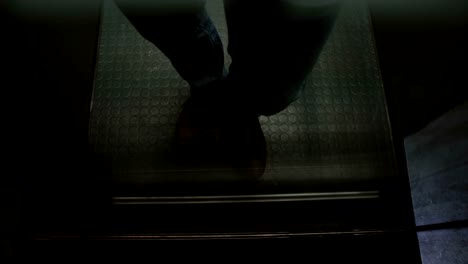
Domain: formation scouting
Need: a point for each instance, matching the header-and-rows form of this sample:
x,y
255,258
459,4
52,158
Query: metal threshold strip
x,y
230,236
296,197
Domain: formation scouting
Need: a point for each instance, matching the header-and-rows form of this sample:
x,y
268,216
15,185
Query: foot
x,y
211,135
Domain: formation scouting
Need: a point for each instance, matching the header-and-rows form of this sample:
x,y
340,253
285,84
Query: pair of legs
x,y
273,45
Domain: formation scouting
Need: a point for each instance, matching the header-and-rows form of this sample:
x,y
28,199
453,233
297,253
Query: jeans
x,y
273,45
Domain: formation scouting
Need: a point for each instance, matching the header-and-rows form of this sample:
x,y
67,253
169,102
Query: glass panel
x,y
334,138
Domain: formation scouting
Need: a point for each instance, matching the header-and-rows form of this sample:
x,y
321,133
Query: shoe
x,y
211,135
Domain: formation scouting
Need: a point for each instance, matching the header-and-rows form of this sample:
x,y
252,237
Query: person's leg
x,y
185,34
208,133
274,45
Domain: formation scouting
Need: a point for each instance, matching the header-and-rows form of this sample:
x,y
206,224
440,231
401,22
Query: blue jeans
x,y
273,45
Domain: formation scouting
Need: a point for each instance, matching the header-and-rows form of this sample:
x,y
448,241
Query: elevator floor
x,y
336,137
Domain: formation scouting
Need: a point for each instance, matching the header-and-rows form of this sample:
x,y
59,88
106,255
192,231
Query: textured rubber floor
x,y
335,137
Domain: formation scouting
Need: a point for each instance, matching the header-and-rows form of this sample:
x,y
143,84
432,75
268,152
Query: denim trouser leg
x,y
187,37
274,45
